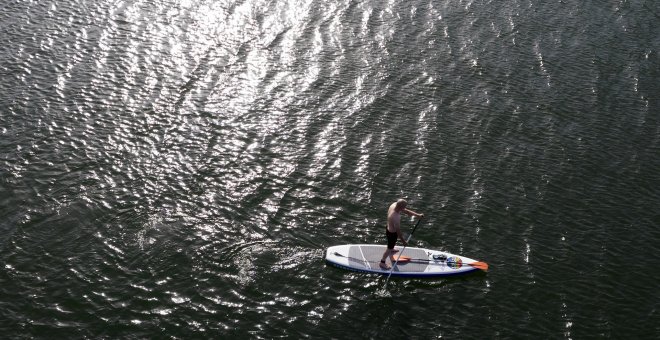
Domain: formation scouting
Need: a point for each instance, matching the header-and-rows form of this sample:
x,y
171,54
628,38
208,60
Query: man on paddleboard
x,y
393,229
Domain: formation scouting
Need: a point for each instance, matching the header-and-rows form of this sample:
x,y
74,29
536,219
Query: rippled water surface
x,y
176,169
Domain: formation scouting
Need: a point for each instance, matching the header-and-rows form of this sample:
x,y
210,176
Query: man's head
x,y
401,204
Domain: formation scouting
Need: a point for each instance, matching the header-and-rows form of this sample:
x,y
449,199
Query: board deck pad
x,y
373,253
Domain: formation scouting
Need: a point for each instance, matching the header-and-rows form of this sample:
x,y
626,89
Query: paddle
x,y
401,252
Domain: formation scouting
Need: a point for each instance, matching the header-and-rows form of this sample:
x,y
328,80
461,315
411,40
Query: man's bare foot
x,y
384,265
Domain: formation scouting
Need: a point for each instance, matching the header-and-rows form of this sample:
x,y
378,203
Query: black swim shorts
x,y
391,239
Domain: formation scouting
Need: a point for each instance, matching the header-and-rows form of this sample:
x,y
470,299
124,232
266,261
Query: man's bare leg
x,y
386,254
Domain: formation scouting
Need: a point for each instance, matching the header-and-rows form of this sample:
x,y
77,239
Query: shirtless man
x,y
393,229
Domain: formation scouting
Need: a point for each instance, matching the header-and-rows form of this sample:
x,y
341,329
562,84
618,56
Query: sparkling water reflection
x,y
178,167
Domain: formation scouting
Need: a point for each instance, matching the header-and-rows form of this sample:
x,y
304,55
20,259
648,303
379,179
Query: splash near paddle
x,y
417,262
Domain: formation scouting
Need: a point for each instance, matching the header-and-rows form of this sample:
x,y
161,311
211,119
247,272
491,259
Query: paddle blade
x,y
404,259
480,265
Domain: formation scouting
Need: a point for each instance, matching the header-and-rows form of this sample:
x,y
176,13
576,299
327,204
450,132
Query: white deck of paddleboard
x,y
366,258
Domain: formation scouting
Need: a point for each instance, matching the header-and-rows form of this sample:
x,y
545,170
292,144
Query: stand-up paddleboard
x,y
422,263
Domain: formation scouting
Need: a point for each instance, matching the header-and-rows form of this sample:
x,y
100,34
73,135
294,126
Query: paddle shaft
x,y
401,252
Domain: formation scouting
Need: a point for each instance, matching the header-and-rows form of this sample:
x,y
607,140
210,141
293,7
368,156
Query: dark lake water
x,y
176,169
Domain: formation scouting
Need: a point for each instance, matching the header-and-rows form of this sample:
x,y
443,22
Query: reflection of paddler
x,y
393,229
